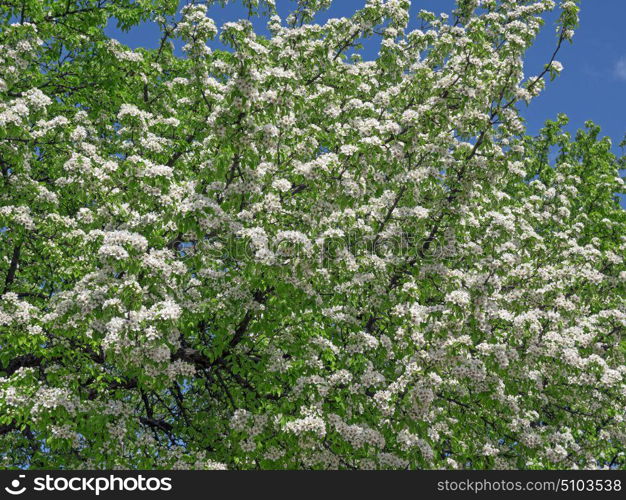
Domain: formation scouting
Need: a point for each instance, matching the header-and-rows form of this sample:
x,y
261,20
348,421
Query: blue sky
x,y
591,87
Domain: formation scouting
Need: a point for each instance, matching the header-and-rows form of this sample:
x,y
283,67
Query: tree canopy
x,y
281,254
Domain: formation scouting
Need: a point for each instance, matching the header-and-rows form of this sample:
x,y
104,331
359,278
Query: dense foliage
x,y
281,255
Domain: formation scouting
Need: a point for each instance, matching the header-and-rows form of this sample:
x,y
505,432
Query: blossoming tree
x,y
280,255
